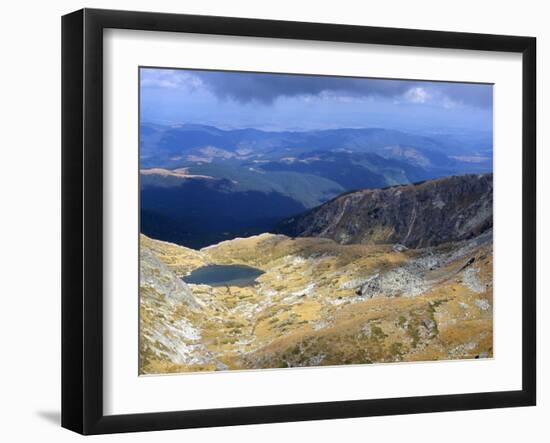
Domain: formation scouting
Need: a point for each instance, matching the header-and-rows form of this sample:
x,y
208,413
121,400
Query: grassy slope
x,y
305,309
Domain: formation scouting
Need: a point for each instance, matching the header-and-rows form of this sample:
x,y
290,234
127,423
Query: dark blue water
x,y
224,275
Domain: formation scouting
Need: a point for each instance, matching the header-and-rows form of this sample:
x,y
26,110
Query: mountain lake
x,y
224,275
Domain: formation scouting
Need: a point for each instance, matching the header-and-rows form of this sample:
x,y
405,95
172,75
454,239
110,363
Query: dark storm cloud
x,y
266,88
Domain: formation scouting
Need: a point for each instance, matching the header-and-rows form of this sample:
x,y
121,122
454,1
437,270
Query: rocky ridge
x,y
425,214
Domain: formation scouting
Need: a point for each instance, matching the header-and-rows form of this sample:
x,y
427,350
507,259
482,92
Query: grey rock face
x,y
411,279
415,216
399,248
167,331
155,275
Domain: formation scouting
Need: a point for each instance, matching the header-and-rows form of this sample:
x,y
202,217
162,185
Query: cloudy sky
x,y
284,101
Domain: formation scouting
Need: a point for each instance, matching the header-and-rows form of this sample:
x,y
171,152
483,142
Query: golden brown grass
x,y
285,321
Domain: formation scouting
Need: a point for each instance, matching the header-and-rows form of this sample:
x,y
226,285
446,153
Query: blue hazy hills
x,y
201,184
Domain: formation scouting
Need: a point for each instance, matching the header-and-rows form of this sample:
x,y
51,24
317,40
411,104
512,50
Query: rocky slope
x,y
418,215
169,314
318,303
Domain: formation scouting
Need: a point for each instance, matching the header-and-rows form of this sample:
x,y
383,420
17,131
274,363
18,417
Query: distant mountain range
x,y
171,146
201,184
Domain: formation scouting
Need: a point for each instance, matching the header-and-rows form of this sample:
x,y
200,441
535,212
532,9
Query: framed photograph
x,y
268,221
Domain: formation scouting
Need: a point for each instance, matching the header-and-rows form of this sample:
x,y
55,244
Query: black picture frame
x,y
82,218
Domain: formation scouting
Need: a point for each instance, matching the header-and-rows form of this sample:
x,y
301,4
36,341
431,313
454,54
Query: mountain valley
x,y
200,185
332,292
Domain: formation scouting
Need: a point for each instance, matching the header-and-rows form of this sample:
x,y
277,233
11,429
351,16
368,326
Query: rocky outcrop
x,y
156,276
419,215
168,312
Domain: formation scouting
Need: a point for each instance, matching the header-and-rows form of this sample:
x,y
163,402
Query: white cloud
x,y
417,95
169,79
449,103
